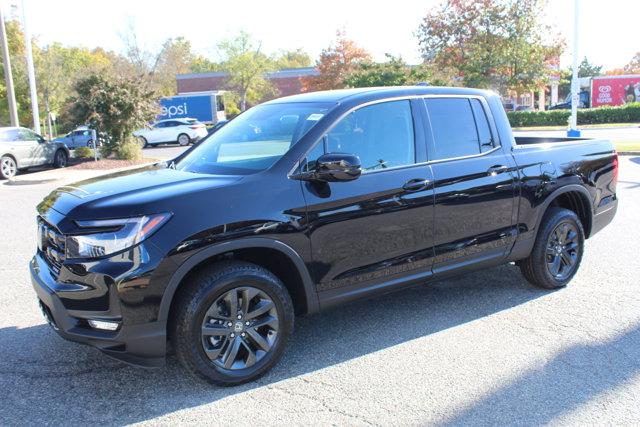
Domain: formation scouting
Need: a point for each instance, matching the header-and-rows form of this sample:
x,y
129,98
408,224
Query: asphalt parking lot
x,y
485,348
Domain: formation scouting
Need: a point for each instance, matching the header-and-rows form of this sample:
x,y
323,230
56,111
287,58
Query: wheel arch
x,y
300,288
574,197
12,156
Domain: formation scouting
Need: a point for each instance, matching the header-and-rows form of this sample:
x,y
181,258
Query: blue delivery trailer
x,y
206,107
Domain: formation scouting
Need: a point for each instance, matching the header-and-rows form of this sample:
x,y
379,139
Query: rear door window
x,y
453,127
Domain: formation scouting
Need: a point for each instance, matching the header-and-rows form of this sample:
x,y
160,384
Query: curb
x,y
24,179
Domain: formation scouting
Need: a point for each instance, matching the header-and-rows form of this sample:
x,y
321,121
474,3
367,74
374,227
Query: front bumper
x,y
139,344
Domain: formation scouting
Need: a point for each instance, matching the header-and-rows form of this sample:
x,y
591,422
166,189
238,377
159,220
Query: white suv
x,y
171,131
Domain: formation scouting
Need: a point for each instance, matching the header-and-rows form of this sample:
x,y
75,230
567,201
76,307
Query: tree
x,y
394,72
497,44
336,62
585,69
292,59
246,66
175,57
634,65
15,40
116,106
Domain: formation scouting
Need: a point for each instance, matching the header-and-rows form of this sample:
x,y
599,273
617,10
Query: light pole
x,y
32,77
8,76
575,85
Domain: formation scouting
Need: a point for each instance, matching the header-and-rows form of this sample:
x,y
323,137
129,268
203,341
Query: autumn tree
x,y
634,65
247,65
393,72
336,63
499,44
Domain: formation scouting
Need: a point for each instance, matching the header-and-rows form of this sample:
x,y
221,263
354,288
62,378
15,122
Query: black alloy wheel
x,y
231,322
557,251
562,250
239,328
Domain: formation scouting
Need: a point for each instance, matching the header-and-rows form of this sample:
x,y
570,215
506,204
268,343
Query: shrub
x,y
83,153
624,114
129,150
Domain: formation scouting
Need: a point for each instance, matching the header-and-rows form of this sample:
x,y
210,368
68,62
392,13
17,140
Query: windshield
x,y
254,140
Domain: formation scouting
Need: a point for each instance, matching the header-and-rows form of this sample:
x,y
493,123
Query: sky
x,y
606,28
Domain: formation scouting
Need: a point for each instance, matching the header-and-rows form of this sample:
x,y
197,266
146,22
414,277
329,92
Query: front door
x,y
380,226
474,184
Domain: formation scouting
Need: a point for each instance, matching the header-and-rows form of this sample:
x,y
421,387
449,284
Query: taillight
x,y
615,169
196,126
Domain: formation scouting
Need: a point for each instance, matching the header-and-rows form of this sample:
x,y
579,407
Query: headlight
x,y
105,237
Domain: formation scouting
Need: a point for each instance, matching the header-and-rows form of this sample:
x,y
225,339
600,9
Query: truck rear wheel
x,y
557,252
232,322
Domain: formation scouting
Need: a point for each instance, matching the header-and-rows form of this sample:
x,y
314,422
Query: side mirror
x,y
334,167
41,140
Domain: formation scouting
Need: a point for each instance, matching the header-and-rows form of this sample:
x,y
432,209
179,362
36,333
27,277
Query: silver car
x,y
22,148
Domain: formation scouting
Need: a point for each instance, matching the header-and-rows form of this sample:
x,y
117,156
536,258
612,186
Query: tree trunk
x,y
243,101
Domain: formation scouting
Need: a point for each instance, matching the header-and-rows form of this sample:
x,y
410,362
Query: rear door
x,y
474,185
156,133
380,226
35,148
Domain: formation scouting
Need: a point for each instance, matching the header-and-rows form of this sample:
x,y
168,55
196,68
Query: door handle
x,y
416,184
496,169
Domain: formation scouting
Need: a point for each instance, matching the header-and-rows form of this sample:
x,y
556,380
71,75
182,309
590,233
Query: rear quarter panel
x,y
545,169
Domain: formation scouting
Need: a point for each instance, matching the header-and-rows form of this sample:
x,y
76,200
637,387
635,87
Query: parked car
x,y
303,203
21,148
172,131
81,137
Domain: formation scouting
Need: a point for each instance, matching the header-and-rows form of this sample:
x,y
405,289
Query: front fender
x,y
311,295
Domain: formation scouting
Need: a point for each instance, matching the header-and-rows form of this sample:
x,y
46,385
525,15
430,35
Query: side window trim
x,y
429,132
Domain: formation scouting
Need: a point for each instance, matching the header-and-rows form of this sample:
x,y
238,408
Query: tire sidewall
x,y
15,166
558,217
188,140
57,157
207,295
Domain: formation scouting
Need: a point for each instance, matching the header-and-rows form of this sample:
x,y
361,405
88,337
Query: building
x,y
288,81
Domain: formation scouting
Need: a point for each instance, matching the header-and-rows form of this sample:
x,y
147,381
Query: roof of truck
x,y
341,95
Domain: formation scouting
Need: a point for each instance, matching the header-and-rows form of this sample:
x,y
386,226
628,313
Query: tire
x,y
143,142
183,140
560,242
8,167
205,306
60,159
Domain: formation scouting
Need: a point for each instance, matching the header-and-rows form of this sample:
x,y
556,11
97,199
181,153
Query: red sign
x,y
615,90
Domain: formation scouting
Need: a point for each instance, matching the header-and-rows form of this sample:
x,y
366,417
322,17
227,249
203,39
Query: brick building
x,y
287,81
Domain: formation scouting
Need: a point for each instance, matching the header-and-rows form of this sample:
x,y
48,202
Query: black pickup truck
x,y
303,203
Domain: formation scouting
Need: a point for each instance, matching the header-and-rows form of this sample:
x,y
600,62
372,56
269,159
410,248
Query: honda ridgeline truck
x,y
303,203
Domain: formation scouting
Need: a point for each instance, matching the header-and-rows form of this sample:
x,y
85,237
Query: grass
x,y
624,146
598,126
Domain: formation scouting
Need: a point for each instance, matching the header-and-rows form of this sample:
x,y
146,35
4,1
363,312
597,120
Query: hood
x,y
128,193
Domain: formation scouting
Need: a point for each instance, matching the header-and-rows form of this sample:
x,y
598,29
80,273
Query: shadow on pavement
x,y
560,386
44,379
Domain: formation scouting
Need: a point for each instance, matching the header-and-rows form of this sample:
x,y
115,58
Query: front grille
x,y
51,245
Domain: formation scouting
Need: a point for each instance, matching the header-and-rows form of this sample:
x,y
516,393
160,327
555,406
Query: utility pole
x,y
32,77
575,84
8,76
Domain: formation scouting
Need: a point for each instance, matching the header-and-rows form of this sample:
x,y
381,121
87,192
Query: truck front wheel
x,y
232,322
557,252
